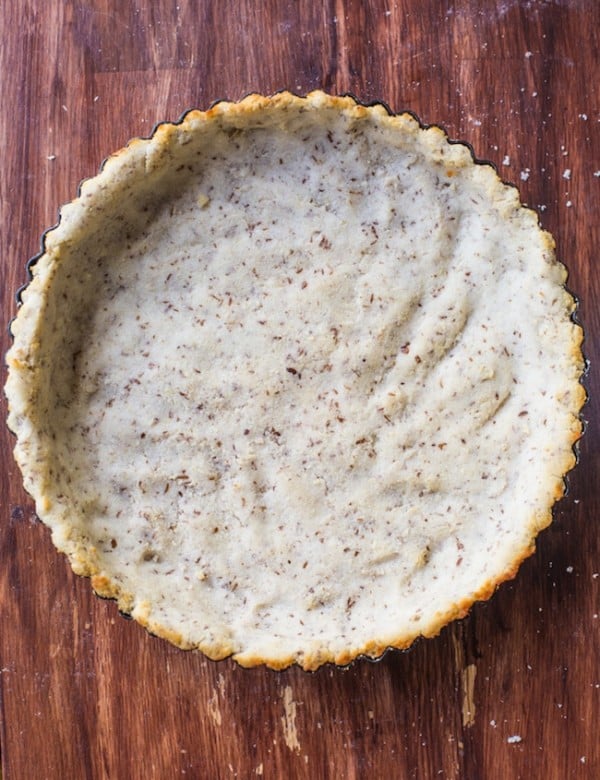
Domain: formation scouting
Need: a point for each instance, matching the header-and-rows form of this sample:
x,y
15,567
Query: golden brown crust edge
x,y
23,365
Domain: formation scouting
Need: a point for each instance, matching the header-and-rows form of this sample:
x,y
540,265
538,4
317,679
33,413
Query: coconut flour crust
x,y
295,381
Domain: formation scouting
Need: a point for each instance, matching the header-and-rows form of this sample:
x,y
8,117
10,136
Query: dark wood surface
x,y
86,694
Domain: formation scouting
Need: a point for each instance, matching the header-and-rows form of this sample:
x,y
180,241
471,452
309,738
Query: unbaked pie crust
x,y
295,381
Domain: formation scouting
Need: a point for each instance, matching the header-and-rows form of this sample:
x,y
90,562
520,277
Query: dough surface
x,y
296,380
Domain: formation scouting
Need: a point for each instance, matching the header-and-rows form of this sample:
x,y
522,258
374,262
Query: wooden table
x,y
512,691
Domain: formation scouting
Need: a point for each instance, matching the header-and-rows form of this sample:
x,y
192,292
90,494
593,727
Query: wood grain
x,y
86,694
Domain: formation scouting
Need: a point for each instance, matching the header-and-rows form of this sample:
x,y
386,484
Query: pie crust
x,y
295,380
